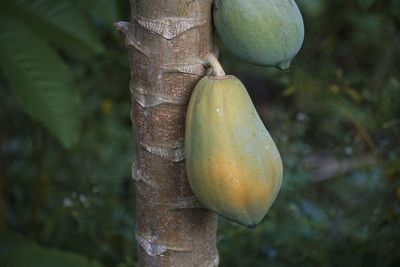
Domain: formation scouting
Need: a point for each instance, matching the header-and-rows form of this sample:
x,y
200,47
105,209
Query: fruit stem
x,y
212,61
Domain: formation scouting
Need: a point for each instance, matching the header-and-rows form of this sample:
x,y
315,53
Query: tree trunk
x,y
167,41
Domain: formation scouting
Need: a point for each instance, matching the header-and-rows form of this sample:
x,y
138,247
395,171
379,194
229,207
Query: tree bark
x,y
167,41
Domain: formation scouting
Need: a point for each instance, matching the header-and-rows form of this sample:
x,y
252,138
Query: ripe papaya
x,y
262,32
233,165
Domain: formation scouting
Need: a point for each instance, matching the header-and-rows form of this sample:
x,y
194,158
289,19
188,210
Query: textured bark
x,y
167,41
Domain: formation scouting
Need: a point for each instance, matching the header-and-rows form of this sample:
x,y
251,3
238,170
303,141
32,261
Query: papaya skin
x,y
262,32
233,165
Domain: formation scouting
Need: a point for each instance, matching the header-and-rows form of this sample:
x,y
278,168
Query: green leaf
x,y
61,22
24,253
34,256
40,80
10,241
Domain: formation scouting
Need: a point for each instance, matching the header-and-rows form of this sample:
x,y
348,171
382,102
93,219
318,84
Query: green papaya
x,y
262,32
233,165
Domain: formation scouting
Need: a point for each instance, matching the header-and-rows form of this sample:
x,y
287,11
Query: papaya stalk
x,y
212,61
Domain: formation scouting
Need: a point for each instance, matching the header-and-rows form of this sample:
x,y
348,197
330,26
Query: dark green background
x,y
335,117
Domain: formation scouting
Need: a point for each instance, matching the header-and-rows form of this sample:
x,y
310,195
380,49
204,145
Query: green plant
x,y
41,80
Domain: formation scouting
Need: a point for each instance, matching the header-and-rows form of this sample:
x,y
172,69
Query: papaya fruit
x,y
262,32
233,165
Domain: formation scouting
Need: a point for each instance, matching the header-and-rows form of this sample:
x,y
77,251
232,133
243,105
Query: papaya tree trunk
x,y
167,41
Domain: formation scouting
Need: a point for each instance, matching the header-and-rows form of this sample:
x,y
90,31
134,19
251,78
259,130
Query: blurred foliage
x,y
335,117
18,252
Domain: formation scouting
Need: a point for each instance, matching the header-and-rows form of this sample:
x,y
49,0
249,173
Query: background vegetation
x,y
66,144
